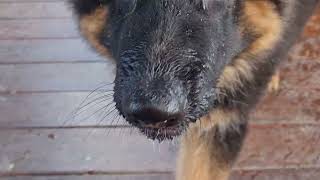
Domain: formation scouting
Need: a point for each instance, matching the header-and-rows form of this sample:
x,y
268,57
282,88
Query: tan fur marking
x,y
196,160
261,20
91,27
216,117
274,84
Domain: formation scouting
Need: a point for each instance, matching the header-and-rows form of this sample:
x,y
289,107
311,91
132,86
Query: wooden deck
x,y
46,71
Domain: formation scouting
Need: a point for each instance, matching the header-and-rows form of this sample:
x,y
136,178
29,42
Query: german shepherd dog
x,y
193,68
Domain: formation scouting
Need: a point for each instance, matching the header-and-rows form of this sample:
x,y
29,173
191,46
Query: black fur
x,y
85,7
227,141
170,54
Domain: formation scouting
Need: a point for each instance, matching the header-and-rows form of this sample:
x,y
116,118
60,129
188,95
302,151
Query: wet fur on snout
x,y
174,49
261,33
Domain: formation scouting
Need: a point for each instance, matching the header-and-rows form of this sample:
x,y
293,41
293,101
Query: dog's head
x,y
169,56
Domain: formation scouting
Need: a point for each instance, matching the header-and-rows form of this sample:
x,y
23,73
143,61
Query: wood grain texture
x,y
277,174
46,70
55,110
82,150
94,177
298,97
38,10
38,28
46,50
18,1
267,147
55,77
275,146
280,174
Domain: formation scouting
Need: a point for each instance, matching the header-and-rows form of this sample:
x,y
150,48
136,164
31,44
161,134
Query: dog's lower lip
x,y
161,133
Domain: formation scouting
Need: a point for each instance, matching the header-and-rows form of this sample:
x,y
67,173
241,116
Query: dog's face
x,y
170,54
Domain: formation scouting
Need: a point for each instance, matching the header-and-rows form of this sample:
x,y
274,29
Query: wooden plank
x,y
278,174
46,50
275,146
298,97
82,150
38,28
55,77
18,1
69,150
106,177
25,10
56,110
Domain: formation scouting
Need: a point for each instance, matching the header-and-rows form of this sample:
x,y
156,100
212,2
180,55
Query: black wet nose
x,y
154,117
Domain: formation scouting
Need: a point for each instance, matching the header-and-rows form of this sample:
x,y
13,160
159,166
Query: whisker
x,y
131,130
115,116
108,130
102,92
108,112
106,115
71,116
119,133
95,90
95,101
118,119
97,111
100,123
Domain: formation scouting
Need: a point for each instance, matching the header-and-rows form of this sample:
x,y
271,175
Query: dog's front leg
x,y
210,147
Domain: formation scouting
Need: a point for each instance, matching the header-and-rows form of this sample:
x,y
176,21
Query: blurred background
x,y
56,120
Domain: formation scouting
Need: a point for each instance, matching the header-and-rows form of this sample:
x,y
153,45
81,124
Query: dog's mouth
x,y
166,130
161,133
